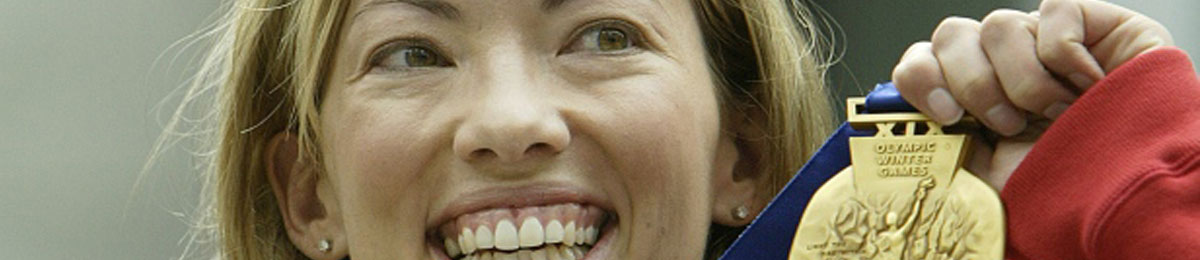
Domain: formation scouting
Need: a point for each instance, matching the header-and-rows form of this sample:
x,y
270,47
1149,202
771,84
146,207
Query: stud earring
x,y
741,213
324,246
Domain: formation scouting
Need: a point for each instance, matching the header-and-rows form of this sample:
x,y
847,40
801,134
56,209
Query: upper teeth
x,y
532,234
554,232
506,236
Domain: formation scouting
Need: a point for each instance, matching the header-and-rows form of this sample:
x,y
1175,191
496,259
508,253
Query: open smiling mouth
x,y
565,231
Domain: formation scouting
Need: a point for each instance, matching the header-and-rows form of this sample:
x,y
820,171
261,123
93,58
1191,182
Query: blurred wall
x,y
79,83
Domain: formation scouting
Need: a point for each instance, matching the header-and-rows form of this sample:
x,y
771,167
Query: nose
x,y
511,124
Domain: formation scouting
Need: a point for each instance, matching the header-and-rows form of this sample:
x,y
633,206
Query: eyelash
x,y
633,36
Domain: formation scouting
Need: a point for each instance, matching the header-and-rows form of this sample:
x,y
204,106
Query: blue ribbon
x,y
769,236
886,99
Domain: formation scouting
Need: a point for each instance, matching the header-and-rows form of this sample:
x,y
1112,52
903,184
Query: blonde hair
x,y
770,63
269,60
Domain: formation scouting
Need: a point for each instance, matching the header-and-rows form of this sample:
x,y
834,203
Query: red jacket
x,y
1118,175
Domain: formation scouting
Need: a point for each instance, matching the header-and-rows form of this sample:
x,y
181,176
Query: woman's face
x,y
526,127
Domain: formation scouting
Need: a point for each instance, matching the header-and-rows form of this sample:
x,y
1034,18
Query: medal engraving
x,y
905,196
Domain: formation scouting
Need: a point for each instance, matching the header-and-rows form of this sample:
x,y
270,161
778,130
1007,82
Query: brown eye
x,y
608,40
401,56
608,37
418,57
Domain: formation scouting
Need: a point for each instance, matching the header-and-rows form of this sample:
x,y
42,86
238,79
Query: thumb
x,y
1082,39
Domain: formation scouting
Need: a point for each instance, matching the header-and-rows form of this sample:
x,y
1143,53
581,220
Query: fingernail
x,y
1055,110
945,110
1006,120
1082,81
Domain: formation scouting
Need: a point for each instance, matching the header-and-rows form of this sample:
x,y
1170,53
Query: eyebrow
x,y
550,5
437,7
441,8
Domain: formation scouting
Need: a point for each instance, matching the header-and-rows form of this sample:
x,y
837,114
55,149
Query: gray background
x,y
79,84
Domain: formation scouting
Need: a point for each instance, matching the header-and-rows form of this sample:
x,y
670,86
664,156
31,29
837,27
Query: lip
x,y
517,197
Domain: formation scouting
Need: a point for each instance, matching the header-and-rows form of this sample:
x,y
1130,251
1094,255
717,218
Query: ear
x,y
306,202
738,178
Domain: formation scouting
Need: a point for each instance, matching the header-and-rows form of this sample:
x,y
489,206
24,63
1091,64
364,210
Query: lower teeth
x,y
547,252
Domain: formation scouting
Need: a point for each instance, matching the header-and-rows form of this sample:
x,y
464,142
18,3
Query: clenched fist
x,y
1014,68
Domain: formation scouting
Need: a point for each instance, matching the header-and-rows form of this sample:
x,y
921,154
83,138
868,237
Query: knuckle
x,y
915,50
898,73
958,21
953,26
1003,16
909,74
998,25
1049,6
915,62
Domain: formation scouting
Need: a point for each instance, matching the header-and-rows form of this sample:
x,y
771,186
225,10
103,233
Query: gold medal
x,y
905,196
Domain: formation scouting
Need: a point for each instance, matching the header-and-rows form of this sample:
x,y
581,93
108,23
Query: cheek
x,y
376,145
375,154
662,138
672,129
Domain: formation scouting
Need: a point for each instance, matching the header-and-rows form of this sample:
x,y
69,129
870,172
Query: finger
x,y
919,79
971,78
979,161
1009,152
1065,31
1114,34
1005,158
1007,37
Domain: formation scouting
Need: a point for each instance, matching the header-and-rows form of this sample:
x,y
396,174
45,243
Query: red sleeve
x,y
1118,175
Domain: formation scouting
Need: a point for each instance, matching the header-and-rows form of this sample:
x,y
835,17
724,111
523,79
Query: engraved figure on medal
x,y
905,196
